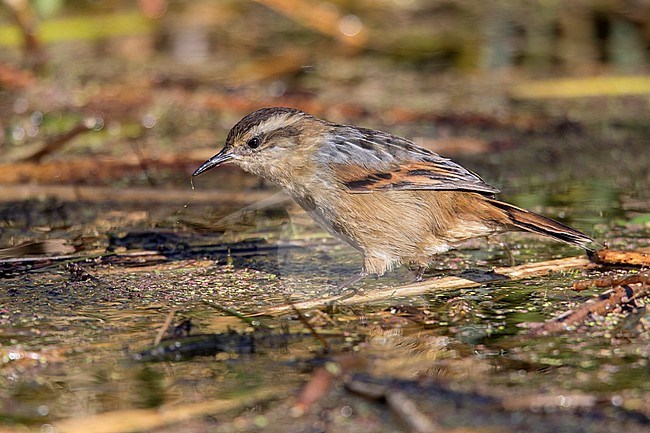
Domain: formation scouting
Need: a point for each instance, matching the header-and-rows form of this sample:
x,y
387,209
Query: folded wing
x,y
365,161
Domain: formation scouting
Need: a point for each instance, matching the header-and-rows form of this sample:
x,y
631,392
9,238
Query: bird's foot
x,y
344,290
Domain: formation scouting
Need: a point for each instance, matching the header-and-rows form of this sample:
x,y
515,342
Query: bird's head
x,y
264,140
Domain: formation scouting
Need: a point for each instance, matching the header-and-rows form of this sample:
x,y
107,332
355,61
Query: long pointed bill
x,y
217,159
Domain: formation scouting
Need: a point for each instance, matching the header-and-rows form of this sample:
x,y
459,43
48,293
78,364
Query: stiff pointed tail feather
x,y
531,222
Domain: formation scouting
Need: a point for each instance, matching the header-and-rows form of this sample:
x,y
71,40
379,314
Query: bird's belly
x,y
398,225
332,219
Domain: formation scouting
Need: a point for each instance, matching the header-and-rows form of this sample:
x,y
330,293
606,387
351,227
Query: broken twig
x,y
623,294
528,270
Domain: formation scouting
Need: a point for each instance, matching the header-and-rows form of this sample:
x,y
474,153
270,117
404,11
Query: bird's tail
x,y
531,222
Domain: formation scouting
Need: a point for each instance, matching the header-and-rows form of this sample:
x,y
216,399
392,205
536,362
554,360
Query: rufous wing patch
x,y
409,176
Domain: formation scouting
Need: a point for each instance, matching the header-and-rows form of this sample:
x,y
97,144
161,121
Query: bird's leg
x,y
371,266
419,273
352,280
508,251
506,248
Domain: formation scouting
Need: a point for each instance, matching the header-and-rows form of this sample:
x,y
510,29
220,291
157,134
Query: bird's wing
x,y
365,160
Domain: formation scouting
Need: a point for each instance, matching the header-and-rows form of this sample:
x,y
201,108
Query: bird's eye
x,y
254,143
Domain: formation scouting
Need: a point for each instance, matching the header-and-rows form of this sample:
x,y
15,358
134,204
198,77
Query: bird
x,y
395,202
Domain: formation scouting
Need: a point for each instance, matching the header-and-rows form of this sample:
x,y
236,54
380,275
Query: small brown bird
x,y
395,202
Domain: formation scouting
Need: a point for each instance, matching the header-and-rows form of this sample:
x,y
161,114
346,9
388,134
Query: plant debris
x,y
622,296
